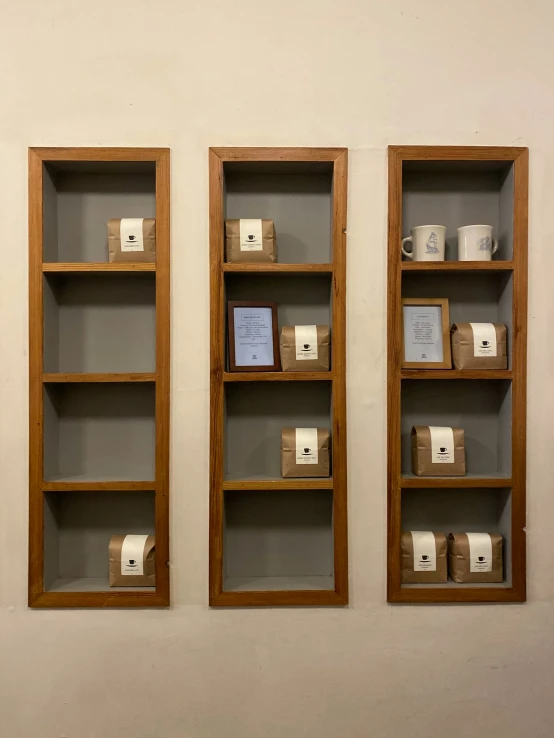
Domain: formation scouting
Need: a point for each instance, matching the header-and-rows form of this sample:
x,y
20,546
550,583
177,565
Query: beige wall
x,y
355,73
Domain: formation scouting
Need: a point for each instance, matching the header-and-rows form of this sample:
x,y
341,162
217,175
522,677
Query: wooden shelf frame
x,y
96,159
336,160
517,157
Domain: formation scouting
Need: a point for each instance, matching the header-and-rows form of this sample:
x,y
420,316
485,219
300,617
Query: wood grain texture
x,y
103,486
278,268
456,374
338,362
277,484
217,367
396,482
457,266
163,363
52,266
519,366
218,377
276,154
36,351
278,376
119,377
298,598
413,482
37,486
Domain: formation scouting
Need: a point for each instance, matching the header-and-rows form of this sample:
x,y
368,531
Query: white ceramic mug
x,y
475,243
427,243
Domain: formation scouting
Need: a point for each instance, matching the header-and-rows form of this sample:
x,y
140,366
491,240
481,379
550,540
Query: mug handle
x,y
494,246
409,254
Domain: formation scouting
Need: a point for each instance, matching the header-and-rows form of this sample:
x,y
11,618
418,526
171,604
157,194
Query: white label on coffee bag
x,y
305,338
251,238
132,555
484,339
442,445
306,446
480,552
425,550
130,233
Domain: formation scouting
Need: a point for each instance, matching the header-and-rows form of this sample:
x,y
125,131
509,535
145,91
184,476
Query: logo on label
x,y
425,558
481,558
132,563
431,245
485,243
251,237
484,344
307,451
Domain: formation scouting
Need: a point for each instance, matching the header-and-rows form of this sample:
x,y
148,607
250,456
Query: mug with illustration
x,y
427,243
475,243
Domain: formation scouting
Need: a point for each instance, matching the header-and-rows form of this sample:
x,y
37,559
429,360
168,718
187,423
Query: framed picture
x,y
253,337
426,333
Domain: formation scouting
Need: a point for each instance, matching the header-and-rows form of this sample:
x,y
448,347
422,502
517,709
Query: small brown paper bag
x,y
438,451
305,452
475,557
423,557
132,239
132,561
305,348
479,346
250,240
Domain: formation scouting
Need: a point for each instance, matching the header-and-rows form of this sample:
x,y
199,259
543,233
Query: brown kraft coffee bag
x,y
475,557
250,240
305,452
132,239
132,561
305,348
438,451
479,346
423,557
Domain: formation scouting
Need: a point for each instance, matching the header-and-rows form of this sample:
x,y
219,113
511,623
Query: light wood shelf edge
x,y
53,378
278,376
277,484
48,267
440,374
457,266
278,268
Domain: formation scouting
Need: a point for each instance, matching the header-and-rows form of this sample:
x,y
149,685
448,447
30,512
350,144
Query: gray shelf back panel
x,y
100,322
278,534
78,527
255,414
457,194
483,408
78,204
472,510
99,430
473,297
298,200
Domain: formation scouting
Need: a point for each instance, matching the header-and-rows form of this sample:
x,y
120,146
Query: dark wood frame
x,y
233,366
446,362
338,157
519,157
38,597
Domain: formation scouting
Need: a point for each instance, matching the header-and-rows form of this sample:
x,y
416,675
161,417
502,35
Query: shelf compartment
x,y
455,374
457,266
97,377
297,199
277,376
77,532
99,431
78,204
480,297
262,483
278,268
98,325
104,267
477,510
482,408
456,196
256,413
278,538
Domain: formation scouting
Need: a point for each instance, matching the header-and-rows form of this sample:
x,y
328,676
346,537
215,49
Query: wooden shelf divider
x,y
494,501
329,168
56,578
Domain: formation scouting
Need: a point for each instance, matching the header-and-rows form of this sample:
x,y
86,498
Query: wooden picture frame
x,y
234,367
441,302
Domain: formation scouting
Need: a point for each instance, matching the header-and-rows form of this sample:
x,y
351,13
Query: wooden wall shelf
x,y
98,377
457,186
274,541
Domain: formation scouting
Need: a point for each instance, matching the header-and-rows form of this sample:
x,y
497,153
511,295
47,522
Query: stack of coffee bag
x,y
479,346
305,452
132,239
438,451
305,348
249,240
